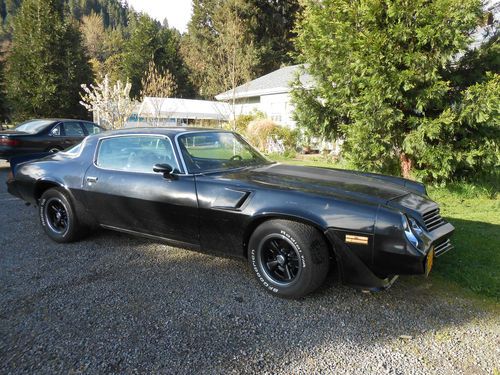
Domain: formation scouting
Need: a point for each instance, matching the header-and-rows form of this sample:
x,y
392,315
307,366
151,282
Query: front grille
x,y
442,248
432,219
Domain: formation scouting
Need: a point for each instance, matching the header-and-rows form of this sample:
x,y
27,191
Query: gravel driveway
x,y
118,304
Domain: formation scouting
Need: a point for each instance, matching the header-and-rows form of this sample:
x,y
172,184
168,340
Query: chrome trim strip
x,y
132,135
443,247
180,151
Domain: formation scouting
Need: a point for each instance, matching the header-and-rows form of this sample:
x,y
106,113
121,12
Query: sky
x,y
177,12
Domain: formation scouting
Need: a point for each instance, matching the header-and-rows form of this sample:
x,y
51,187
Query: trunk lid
x,y
10,133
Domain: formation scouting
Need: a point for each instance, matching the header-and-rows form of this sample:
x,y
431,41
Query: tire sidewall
x,y
46,196
299,286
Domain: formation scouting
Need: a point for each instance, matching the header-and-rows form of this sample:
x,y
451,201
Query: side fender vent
x,y
231,199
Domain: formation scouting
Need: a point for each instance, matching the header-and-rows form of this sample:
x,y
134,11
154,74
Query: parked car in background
x,y
44,135
211,191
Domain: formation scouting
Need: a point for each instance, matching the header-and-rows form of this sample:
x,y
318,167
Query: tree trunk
x,y
405,164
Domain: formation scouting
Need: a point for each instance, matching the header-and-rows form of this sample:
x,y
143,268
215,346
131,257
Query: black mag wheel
x,y
56,215
288,258
279,258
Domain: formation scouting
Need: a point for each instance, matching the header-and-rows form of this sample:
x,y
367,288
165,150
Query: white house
x,y
174,111
269,94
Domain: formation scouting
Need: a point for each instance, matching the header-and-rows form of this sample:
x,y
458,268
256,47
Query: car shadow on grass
x,y
474,263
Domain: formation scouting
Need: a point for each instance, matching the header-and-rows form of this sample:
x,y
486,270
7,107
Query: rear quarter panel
x,y
60,169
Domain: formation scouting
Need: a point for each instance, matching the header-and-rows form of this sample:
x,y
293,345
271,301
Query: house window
x,y
249,100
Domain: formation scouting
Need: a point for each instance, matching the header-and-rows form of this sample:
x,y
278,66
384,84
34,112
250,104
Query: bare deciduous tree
x,y
111,104
94,35
157,84
234,56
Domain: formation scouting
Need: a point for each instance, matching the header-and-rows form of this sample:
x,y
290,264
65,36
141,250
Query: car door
x,y
123,191
72,133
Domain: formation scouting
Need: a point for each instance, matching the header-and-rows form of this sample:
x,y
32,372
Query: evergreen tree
x,y
273,30
150,41
379,72
47,63
3,103
268,32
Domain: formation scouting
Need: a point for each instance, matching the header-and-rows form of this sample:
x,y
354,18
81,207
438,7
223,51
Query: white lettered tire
x,y
289,259
58,217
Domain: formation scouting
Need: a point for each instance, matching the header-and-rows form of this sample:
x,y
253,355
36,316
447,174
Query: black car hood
x,y
323,181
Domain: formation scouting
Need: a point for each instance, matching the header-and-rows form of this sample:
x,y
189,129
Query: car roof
x,y
169,131
59,119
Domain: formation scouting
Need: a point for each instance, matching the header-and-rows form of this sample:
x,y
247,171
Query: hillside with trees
x,y
227,43
82,41
113,12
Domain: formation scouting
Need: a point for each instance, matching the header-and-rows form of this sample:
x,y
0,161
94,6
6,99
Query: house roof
x,y
276,82
182,108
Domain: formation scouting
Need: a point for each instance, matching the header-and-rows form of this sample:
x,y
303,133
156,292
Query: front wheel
x,y
58,217
289,259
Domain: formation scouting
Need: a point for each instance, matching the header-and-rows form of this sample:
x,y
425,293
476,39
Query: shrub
x,y
242,121
260,132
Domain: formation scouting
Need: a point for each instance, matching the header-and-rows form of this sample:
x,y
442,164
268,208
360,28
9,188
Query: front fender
x,y
353,271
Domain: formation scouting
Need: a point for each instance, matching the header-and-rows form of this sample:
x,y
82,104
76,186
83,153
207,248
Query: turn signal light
x,y
9,142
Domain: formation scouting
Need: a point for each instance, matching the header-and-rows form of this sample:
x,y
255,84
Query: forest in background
x,y
121,43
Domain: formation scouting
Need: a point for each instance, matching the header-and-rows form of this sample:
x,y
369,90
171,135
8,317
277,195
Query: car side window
x,y
91,128
56,131
73,129
135,153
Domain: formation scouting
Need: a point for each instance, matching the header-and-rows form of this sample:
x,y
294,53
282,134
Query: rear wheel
x,y
289,259
58,217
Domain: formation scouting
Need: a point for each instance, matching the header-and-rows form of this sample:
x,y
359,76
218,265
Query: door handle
x,y
92,179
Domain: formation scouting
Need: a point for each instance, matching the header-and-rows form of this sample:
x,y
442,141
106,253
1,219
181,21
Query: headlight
x,y
413,232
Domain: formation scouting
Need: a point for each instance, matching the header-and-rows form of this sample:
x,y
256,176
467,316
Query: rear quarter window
x,y
91,128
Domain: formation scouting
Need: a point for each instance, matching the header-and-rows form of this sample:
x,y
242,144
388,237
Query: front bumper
x,y
440,239
366,268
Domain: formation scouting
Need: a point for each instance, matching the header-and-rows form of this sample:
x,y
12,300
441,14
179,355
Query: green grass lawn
x,y
474,210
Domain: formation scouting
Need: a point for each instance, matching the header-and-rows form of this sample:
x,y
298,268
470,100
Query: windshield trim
x,y
189,172
233,169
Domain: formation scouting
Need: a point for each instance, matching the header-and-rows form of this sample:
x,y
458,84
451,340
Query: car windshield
x,y
210,151
33,126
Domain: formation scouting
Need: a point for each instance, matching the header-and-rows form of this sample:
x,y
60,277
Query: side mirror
x,y
55,131
166,169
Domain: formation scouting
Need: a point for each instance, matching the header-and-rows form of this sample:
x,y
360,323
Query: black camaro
x,y
209,190
51,135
